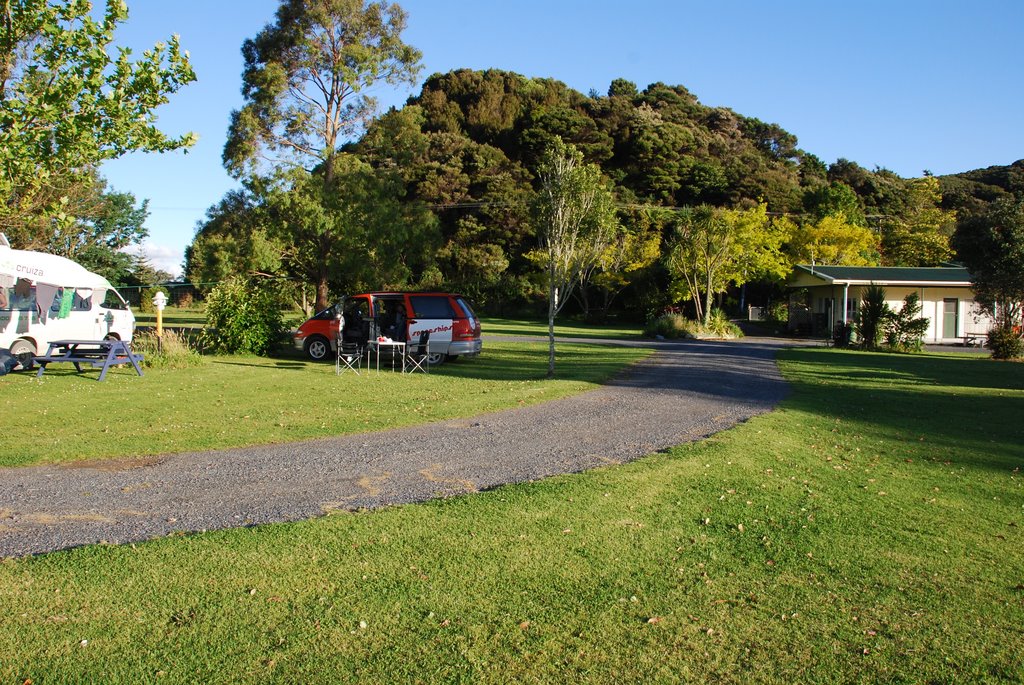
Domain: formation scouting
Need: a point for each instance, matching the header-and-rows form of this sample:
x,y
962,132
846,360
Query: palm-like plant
x,y
874,311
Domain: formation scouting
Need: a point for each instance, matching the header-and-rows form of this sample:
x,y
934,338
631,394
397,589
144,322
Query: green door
x,y
950,313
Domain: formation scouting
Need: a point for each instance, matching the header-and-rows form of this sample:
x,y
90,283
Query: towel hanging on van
x,y
45,295
66,301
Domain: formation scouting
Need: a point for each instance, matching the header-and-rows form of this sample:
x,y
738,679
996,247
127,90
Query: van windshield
x,y
111,299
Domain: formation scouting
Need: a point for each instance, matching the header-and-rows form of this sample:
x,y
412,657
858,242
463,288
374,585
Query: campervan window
x,y
82,301
431,307
78,302
21,297
16,299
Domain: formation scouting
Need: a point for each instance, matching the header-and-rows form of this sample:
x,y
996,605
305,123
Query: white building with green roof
x,y
823,296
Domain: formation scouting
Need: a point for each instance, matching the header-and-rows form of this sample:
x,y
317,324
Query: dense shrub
x,y
146,298
904,331
671,325
1005,343
720,326
244,316
778,312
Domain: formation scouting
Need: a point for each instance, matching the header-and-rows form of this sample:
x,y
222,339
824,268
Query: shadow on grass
x,y
741,372
968,410
273,364
529,362
539,330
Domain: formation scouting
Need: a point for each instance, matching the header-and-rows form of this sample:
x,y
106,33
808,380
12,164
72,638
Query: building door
x,y
950,317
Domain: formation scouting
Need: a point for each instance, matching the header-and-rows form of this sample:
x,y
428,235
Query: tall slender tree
x,y
576,222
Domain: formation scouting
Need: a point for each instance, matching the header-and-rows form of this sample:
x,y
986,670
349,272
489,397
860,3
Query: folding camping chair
x,y
416,355
350,357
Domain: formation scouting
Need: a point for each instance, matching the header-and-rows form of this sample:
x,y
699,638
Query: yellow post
x,y
159,301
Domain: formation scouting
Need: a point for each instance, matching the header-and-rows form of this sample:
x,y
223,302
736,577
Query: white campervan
x,y
44,297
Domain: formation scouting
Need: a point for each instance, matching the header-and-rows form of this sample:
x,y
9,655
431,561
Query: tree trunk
x,y
707,303
322,281
552,308
585,301
322,292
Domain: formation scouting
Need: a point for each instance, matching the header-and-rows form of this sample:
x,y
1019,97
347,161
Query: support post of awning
x,y
846,294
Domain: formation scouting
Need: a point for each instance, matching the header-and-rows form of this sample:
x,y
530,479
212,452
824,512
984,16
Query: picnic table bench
x,y
972,339
95,353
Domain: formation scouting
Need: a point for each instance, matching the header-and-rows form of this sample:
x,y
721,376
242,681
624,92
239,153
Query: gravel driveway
x,y
684,392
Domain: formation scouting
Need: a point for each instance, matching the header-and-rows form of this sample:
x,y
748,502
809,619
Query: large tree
x,y
232,241
919,235
833,240
711,248
99,241
576,222
305,85
67,104
357,227
991,245
480,197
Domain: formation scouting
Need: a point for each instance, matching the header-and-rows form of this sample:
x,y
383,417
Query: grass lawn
x,y
195,317
236,401
870,530
174,317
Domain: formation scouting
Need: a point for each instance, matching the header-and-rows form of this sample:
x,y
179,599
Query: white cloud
x,y
162,257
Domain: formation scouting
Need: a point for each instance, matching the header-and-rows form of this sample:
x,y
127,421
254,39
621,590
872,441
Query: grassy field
x,y
235,401
870,530
176,317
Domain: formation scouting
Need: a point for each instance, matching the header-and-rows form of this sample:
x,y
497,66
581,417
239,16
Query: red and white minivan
x,y
403,316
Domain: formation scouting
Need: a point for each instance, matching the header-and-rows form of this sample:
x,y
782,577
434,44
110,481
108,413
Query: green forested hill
x,y
660,145
464,151
971,190
468,142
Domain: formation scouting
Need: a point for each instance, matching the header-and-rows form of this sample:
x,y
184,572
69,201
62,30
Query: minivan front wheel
x,y
317,347
24,352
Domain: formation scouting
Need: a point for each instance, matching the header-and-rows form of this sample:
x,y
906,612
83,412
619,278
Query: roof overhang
x,y
808,276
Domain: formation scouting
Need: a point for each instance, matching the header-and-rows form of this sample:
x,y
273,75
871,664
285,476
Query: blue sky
x,y
901,84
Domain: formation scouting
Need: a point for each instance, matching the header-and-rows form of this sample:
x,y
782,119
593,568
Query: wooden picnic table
x,y
95,353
